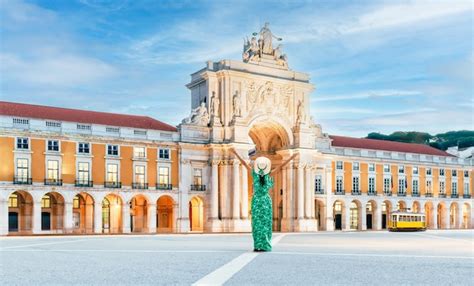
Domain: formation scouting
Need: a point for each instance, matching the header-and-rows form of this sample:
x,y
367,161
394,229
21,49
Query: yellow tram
x,y
407,221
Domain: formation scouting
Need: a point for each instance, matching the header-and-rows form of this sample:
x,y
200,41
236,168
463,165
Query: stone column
x,y
460,218
4,216
434,215
182,222
126,218
363,220
36,215
236,190
300,194
151,214
347,216
68,223
378,217
290,190
215,190
312,173
224,191
284,186
329,201
245,193
308,191
97,217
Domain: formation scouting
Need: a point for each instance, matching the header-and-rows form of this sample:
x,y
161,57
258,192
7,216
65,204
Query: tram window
x,y
394,218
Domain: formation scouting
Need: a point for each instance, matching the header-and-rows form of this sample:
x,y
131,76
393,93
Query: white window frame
x,y
342,165
369,167
53,140
401,169
80,178
415,185
442,172
111,146
164,149
389,168
356,183
339,183
371,186
454,187
168,177
355,166
28,142
58,171
83,153
136,151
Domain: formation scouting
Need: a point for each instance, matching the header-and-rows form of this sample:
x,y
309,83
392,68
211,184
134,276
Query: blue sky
x,y
377,66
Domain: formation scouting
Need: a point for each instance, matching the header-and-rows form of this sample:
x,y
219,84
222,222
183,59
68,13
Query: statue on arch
x,y
266,38
237,104
300,113
215,105
199,116
251,50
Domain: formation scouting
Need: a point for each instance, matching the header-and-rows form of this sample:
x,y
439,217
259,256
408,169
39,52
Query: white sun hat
x,y
262,163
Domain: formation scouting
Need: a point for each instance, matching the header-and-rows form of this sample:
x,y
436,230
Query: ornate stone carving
x,y
215,109
267,97
199,116
300,113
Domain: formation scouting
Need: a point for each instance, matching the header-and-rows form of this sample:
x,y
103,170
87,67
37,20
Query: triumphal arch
x,y
243,109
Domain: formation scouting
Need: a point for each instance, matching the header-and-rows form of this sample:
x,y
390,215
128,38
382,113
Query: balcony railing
x,y
84,183
388,194
198,188
429,195
443,195
22,180
371,193
140,186
454,196
53,182
340,192
401,194
355,192
466,196
319,191
164,186
415,194
115,185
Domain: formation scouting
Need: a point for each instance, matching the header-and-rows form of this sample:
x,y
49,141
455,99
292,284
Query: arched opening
x,y
112,214
466,216
354,215
453,216
442,216
429,215
320,214
139,214
401,206
20,212
386,210
371,218
270,137
164,214
83,213
196,214
416,207
52,212
338,212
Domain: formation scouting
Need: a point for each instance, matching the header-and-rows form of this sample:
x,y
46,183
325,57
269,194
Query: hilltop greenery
x,y
442,141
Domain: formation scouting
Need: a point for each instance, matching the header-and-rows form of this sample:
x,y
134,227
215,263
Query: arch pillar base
x,y
305,225
329,224
182,225
214,225
286,225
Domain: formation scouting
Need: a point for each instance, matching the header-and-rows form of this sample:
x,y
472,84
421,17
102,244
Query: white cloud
x,y
366,95
62,70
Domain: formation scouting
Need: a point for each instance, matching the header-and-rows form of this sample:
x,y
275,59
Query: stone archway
x,y
139,214
416,207
371,215
429,214
20,213
112,214
401,206
355,215
196,214
454,215
320,214
338,210
386,210
442,218
164,214
83,213
52,212
466,216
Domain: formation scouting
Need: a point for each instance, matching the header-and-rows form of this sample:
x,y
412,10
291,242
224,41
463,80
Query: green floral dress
x,y
261,212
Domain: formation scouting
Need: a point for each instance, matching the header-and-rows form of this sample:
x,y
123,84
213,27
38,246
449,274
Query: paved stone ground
x,y
342,258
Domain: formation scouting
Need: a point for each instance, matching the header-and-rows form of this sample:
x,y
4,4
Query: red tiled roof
x,y
362,143
82,116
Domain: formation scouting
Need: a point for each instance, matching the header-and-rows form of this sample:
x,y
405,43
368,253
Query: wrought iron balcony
x,y
164,186
388,194
84,183
355,192
340,192
371,193
401,194
466,196
429,195
198,188
22,180
319,191
115,185
53,182
454,196
415,194
140,186
441,195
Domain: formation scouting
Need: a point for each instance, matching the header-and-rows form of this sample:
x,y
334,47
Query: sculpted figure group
x,y
255,49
